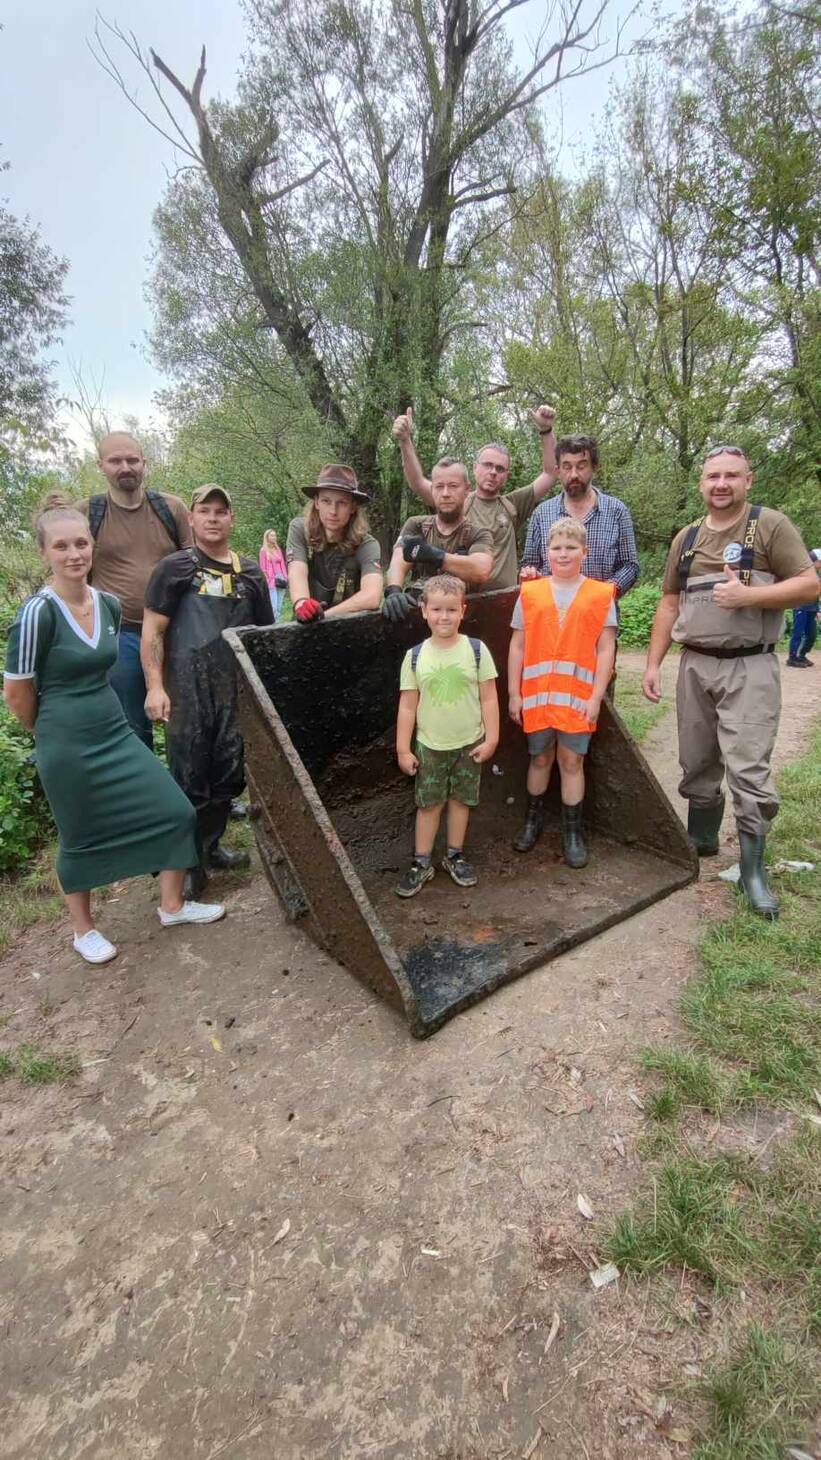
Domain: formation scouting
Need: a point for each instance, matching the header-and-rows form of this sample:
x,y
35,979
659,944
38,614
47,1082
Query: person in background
x,y
132,529
118,811
489,508
804,626
444,542
611,556
272,563
190,671
334,562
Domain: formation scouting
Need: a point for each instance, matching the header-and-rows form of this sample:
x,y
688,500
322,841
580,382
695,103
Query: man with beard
x,y
444,542
133,529
611,542
489,508
729,576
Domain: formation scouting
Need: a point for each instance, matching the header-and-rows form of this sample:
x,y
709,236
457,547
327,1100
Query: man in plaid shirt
x,y
611,541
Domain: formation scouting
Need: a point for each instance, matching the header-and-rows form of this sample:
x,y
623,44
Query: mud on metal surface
x,y
335,822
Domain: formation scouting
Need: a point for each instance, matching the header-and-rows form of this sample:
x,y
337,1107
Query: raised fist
x,y
543,418
402,428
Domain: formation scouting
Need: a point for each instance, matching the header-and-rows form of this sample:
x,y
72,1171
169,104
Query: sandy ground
x,y
265,1222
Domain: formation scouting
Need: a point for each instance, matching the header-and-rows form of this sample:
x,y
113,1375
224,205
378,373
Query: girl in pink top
x,y
272,563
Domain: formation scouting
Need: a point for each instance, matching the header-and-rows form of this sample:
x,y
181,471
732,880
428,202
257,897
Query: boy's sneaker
x,y
414,879
192,912
94,947
460,870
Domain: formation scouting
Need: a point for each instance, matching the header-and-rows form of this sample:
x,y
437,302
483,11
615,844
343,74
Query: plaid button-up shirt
x,y
611,541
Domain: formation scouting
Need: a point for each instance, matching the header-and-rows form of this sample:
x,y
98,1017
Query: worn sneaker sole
x,y
412,891
460,881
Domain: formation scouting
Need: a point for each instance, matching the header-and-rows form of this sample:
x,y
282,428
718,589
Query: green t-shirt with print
x,y
449,714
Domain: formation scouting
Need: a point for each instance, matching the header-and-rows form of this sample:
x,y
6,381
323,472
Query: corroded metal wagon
x,y
334,821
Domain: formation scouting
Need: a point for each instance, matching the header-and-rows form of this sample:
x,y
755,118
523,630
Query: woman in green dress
x,y
118,811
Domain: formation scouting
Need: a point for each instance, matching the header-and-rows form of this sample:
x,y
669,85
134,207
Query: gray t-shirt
x,y
564,593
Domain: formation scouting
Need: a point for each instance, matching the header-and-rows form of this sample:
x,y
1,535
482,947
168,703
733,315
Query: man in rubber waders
x,y
728,579
444,542
189,670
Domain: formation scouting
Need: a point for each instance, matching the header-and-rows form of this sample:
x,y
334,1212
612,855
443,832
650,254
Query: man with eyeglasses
x,y
489,508
729,576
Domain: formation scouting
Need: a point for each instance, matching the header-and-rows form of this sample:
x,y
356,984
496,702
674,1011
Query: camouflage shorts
x,y
445,775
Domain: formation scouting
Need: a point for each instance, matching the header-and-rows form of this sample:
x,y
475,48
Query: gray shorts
x,y
542,740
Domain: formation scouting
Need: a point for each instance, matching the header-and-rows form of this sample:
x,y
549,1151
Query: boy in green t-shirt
x,y
448,693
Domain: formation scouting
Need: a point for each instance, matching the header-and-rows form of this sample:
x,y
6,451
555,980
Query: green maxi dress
x,y
118,811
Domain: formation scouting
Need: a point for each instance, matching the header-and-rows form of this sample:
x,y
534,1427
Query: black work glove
x,y
397,605
416,550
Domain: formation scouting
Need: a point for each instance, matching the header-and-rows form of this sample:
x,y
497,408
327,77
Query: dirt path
x,y
265,1222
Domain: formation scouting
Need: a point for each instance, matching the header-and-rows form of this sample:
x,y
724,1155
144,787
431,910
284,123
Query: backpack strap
x,y
688,548
745,562
475,644
96,512
97,506
161,509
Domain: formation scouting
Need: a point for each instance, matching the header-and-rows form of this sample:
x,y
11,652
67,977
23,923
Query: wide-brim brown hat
x,y
338,478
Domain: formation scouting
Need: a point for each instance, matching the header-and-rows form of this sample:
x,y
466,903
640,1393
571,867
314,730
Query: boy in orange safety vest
x,y
562,653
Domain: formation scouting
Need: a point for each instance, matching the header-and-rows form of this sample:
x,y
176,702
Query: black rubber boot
x,y
534,822
754,877
194,885
224,861
573,847
703,826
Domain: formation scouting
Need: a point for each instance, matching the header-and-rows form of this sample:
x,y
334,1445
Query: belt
x,y
729,653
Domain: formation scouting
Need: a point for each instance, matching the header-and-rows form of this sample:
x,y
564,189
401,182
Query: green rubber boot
x,y
703,827
573,847
753,879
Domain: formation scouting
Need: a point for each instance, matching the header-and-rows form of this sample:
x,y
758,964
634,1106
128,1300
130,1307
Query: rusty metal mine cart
x,y
334,821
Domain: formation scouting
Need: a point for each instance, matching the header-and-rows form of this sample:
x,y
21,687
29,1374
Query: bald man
x,y
133,529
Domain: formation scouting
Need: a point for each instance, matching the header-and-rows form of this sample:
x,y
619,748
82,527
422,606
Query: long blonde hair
x,y
356,530
270,532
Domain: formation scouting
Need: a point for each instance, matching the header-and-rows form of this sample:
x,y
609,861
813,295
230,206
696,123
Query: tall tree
x,y
369,154
32,313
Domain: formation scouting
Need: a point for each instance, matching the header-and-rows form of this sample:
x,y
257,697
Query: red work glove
x,y
308,609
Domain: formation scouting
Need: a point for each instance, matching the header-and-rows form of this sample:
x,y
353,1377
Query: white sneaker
x,y
192,912
94,948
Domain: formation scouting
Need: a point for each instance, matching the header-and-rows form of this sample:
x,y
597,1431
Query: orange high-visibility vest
x,y
560,658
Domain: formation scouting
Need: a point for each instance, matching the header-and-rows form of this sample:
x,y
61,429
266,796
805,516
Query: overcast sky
x,y
89,172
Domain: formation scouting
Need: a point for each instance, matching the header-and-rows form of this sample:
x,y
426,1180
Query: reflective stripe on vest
x,y
560,657
558,666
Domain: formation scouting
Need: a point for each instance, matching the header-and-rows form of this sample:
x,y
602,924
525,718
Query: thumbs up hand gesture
x,y
402,428
732,593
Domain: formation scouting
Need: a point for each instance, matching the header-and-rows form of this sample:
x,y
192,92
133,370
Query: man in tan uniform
x,y
489,508
729,576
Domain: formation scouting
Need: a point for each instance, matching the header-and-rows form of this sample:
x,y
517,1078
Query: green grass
x,y
28,898
637,713
37,1067
754,1028
758,1401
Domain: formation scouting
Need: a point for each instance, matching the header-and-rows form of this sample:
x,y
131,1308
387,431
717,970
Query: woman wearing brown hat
x,y
334,562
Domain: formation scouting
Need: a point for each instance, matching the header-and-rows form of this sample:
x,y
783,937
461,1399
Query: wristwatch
x,y
548,432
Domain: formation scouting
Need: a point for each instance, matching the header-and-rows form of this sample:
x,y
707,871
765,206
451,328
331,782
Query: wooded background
x,y
378,219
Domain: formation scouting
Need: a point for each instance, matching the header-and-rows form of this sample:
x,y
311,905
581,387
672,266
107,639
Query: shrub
x,y
636,612
25,818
